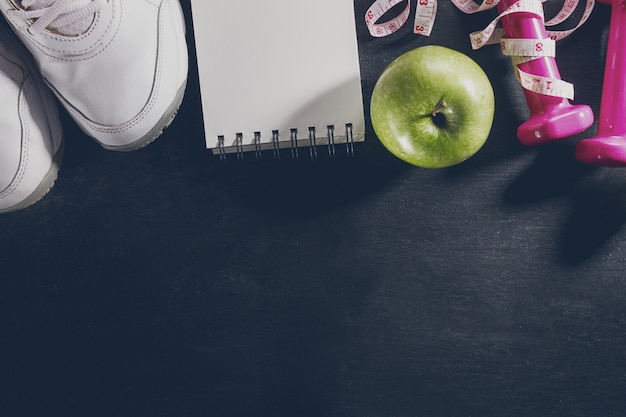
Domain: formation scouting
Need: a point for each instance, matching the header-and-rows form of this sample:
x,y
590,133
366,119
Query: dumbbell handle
x,y
551,117
608,147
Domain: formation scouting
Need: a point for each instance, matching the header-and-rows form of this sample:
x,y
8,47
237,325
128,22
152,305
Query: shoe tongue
x,y
73,28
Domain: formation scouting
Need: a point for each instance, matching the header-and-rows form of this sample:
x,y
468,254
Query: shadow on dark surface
x,y
167,283
105,344
597,198
553,173
295,186
598,214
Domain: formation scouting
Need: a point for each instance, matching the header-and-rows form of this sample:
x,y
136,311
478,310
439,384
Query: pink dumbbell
x,y
608,148
551,117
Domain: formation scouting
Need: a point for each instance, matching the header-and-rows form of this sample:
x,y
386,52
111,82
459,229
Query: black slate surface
x,y
165,283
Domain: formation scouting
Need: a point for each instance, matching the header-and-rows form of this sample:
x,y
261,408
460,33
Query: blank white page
x,y
277,65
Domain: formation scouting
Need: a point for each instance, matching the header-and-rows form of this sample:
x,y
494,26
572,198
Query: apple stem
x,y
441,105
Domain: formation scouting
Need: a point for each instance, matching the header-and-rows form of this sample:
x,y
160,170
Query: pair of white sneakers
x,y
119,68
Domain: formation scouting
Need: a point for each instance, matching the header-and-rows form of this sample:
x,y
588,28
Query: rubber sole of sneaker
x,y
48,181
44,186
163,123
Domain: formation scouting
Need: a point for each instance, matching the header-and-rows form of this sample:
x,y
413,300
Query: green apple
x,y
432,107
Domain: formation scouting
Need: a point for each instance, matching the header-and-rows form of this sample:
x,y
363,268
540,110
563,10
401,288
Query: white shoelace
x,y
66,17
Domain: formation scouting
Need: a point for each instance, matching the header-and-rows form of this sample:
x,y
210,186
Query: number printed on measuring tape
x,y
566,11
558,35
377,10
424,17
528,47
426,11
544,85
486,36
470,7
491,34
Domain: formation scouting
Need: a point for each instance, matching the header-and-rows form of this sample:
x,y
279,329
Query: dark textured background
x,y
164,283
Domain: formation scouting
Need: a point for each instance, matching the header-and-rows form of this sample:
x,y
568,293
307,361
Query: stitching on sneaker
x,y
25,141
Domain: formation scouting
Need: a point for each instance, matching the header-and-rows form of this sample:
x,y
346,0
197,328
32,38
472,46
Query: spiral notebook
x,y
278,74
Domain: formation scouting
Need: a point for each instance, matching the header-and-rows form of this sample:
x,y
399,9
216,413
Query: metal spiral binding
x,y
239,145
276,144
294,144
222,149
349,140
312,143
331,140
257,145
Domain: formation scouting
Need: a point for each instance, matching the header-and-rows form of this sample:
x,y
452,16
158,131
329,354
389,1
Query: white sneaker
x,y
31,134
118,66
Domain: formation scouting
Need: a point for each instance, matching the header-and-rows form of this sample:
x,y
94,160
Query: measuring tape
x,y
520,50
379,8
566,11
488,35
491,34
545,85
426,11
526,50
